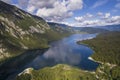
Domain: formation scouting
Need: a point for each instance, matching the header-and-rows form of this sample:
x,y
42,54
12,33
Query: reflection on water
x,y
17,64
68,52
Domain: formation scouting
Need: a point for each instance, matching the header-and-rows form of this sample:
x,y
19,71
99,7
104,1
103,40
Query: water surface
x,y
65,51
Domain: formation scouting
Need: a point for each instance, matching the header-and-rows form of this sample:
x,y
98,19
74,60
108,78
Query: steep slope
x,y
20,31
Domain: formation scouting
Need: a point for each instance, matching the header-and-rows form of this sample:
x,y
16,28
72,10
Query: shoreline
x,y
90,58
110,65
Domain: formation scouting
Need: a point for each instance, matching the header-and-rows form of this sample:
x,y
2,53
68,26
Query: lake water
x,y
65,51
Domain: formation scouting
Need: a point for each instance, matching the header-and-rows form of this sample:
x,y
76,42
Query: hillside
x,y
110,27
61,28
107,48
90,29
58,72
97,29
20,31
106,44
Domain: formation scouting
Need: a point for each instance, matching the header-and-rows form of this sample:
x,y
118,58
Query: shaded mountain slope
x,y
20,31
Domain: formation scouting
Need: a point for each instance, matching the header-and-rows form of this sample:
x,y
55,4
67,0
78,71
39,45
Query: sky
x,y
78,13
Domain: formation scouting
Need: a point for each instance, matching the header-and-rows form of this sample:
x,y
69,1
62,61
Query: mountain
x,y
110,27
90,29
97,29
21,31
61,28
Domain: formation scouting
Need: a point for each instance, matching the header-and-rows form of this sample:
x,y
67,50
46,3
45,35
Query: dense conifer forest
x,y
106,48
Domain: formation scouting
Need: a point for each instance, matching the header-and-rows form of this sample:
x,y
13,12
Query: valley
x,y
32,48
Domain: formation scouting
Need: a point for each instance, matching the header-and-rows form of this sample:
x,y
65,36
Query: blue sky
x,y
73,12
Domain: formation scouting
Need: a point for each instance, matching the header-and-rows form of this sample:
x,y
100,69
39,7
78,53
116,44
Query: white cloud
x,y
103,15
90,23
58,12
31,9
114,19
74,4
82,18
102,19
79,19
99,3
38,5
107,15
53,10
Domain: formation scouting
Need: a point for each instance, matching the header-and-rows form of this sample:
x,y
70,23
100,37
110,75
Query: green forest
x,y
106,48
58,72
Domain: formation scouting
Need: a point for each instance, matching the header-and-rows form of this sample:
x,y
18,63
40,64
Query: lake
x,y
67,51
64,51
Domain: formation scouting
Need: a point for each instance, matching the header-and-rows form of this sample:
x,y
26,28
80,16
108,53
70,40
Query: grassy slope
x,y
58,72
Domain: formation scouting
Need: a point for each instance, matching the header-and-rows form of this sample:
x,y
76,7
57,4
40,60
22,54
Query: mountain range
x,y
21,31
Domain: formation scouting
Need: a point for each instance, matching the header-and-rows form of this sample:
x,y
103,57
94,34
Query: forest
x,y
106,48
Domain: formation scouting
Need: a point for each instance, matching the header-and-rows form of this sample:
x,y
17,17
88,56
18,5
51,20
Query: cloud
x,y
31,9
82,18
60,10
102,19
74,4
103,15
87,23
53,10
79,19
50,10
106,16
114,20
99,3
